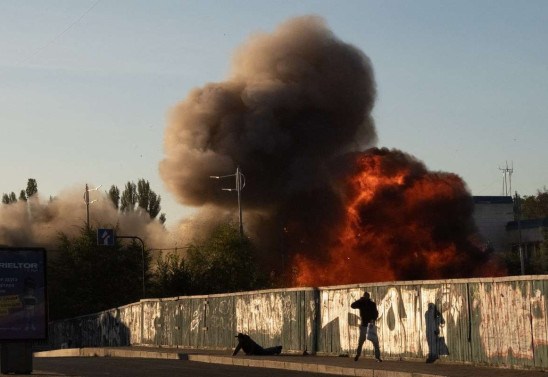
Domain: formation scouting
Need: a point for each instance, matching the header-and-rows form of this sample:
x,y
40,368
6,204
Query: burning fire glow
x,y
401,222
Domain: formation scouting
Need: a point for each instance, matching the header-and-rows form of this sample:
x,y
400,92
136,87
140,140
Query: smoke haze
x,y
35,223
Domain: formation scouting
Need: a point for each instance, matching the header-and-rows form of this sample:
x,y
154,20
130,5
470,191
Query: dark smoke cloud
x,y
295,98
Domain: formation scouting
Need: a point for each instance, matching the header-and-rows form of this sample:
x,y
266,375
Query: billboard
x,y
23,302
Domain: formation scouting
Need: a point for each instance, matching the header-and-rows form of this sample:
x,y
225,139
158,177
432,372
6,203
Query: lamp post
x,y
240,184
86,200
142,256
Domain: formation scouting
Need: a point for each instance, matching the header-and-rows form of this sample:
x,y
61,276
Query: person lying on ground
x,y
250,347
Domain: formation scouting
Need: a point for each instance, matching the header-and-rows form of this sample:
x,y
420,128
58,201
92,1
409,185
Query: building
x,y
492,214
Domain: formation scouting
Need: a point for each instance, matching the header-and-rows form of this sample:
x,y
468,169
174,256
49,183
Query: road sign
x,y
105,237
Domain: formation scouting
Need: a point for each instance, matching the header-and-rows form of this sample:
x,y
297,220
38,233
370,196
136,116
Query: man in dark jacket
x,y
251,348
368,329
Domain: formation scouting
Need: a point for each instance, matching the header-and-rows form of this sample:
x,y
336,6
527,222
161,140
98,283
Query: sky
x,y
86,86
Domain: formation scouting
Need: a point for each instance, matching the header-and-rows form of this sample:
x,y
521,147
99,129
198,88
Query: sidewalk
x,y
332,365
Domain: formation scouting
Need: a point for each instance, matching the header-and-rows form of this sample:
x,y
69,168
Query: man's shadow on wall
x,y
436,343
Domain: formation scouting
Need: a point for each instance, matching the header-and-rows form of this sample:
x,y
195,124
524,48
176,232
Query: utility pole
x,y
517,205
239,187
86,200
240,184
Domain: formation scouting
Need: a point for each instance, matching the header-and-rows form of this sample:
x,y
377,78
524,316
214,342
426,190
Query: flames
x,y
401,222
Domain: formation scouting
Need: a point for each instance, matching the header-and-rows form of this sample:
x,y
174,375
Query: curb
x,y
109,352
226,360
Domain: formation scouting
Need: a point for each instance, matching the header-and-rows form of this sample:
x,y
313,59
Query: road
x,y
135,367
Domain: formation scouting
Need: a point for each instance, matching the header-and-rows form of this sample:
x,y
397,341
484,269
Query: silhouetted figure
x,y
436,344
368,329
251,348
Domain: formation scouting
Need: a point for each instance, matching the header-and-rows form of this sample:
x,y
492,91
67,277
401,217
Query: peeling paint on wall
x,y
262,313
506,327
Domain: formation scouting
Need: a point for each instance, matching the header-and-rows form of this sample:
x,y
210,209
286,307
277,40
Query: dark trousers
x,y
260,351
372,338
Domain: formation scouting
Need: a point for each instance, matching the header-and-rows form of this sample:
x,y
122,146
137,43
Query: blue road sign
x,y
105,237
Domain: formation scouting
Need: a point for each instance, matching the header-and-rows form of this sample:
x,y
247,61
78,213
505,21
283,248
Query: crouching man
x,y
251,348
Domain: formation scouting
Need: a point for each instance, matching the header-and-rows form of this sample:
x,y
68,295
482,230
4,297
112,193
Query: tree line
x,y
24,195
137,197
84,277
530,207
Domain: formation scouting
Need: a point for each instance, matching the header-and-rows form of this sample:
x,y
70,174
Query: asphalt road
x,y
135,367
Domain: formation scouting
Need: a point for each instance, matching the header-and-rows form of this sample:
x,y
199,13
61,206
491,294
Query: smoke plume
x,y
295,116
37,223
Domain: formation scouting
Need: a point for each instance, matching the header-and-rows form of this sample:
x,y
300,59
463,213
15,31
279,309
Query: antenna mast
x,y
507,179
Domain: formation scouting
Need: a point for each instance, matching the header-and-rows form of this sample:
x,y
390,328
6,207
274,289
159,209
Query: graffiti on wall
x,y
415,320
412,320
261,314
498,322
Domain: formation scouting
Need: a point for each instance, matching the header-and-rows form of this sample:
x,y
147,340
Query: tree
x,y
114,195
9,198
141,195
171,277
154,204
223,263
147,199
23,196
129,197
86,278
535,206
32,187
532,207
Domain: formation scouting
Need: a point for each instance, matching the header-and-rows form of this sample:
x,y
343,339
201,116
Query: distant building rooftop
x,y
493,200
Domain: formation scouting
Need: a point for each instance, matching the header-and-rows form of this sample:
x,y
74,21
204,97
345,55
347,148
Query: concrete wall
x,y
500,322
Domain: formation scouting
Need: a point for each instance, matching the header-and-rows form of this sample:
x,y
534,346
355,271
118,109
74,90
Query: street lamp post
x,y
240,184
142,256
86,200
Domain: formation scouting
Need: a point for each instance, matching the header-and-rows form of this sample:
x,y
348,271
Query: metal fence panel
x,y
151,322
219,317
539,324
197,321
130,317
185,320
454,311
261,316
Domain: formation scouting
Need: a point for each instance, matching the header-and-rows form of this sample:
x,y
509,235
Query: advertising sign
x,y
23,294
